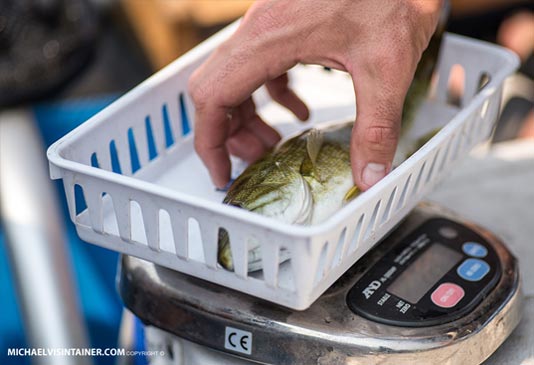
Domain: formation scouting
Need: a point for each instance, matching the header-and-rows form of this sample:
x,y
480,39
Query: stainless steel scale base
x,y
190,319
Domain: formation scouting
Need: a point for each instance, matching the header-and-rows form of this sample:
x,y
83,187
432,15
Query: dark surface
x,y
118,66
56,50
484,25
44,45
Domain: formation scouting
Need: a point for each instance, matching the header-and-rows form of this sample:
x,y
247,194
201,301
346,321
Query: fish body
x,y
304,180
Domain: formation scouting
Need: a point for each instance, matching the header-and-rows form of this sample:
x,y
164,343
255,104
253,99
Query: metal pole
x,y
35,242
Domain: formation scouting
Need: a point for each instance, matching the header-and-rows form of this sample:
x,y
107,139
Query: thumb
x,y
379,98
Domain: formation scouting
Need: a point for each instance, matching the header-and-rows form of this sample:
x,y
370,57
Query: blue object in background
x,y
94,267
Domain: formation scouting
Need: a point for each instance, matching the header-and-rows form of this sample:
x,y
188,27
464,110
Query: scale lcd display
x,y
424,272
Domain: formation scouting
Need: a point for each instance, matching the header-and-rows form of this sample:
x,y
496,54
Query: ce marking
x,y
238,340
242,342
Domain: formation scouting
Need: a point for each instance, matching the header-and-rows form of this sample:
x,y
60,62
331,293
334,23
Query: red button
x,y
447,295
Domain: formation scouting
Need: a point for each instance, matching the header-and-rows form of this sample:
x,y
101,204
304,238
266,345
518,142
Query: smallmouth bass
x,y
304,180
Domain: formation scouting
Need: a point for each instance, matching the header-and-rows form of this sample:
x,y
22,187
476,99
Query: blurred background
x,y
61,61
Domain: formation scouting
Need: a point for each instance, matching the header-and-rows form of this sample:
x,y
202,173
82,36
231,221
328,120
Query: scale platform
x,y
356,320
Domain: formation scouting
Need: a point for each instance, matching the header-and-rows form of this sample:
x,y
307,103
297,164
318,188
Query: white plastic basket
x,y
168,211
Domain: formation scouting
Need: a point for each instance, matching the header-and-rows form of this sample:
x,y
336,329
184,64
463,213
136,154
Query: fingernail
x,y
372,173
225,188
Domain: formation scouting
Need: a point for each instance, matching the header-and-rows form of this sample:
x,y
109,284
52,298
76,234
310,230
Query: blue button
x,y
473,269
474,249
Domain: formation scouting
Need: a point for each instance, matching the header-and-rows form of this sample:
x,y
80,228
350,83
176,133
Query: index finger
x,y
226,80
210,142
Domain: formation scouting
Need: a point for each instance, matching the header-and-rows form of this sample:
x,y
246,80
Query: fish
x,y
304,180
308,177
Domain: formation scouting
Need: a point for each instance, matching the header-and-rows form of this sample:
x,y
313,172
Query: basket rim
x,y
58,162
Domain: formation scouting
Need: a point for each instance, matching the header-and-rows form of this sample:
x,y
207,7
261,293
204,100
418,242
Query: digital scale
x,y
437,290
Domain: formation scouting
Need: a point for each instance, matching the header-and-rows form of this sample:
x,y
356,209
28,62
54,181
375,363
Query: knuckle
x,y
197,91
200,147
263,17
378,136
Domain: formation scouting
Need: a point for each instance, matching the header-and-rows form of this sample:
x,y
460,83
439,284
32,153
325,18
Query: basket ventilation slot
x,y
169,139
115,164
357,233
387,210
418,180
184,116
134,157
371,225
79,198
402,198
456,86
152,151
321,267
341,242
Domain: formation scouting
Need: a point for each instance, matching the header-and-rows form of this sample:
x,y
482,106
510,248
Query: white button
x,y
448,232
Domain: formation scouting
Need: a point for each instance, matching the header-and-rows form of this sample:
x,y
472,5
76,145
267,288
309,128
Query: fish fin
x,y
314,142
351,194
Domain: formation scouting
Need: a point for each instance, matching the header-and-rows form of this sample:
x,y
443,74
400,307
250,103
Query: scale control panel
x,y
437,274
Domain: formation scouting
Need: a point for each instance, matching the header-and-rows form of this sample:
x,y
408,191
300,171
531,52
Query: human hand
x,y
377,42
